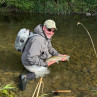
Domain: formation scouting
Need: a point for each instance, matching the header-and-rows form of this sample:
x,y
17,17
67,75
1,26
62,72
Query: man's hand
x,y
51,62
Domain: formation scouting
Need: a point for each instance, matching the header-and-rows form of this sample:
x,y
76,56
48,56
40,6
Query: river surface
x,y
78,75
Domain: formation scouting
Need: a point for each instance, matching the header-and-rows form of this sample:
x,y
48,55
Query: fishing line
x,y
91,42
89,36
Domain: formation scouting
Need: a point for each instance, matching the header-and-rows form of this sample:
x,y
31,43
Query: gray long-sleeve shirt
x,y
38,49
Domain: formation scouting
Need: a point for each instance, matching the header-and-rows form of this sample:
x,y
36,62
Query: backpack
x,y
22,38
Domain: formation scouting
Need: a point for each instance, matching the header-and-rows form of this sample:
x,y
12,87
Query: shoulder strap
x,y
31,35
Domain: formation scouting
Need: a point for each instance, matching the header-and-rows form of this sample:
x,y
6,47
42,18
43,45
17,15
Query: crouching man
x,y
37,50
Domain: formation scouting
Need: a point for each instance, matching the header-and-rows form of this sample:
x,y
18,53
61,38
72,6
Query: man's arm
x,y
52,51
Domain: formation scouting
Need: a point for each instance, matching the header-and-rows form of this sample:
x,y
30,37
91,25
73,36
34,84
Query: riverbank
x,y
8,11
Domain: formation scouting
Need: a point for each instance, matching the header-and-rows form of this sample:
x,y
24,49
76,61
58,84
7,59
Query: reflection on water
x,y
78,75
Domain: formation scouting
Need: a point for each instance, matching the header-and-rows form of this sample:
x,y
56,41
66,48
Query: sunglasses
x,y
53,30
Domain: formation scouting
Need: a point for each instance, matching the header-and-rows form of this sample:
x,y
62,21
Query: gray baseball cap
x,y
50,24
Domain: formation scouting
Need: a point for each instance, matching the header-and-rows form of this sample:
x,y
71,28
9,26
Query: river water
x,y
78,75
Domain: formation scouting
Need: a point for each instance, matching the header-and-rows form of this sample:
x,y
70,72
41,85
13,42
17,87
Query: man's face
x,y
49,32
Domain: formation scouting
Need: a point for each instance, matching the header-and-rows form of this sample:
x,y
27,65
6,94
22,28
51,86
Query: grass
x,y
4,90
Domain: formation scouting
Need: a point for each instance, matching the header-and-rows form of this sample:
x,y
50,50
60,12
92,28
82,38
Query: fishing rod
x,y
91,42
68,91
57,92
60,91
37,89
89,36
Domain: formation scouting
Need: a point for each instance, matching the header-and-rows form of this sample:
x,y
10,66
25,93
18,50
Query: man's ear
x,y
43,27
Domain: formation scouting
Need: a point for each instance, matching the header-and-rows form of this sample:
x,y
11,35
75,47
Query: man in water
x,y
37,50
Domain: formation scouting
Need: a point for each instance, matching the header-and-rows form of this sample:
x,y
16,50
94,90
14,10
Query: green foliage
x,y
2,1
52,6
4,91
79,7
24,5
95,91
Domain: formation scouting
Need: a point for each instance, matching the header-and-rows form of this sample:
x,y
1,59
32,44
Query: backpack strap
x,y
31,34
